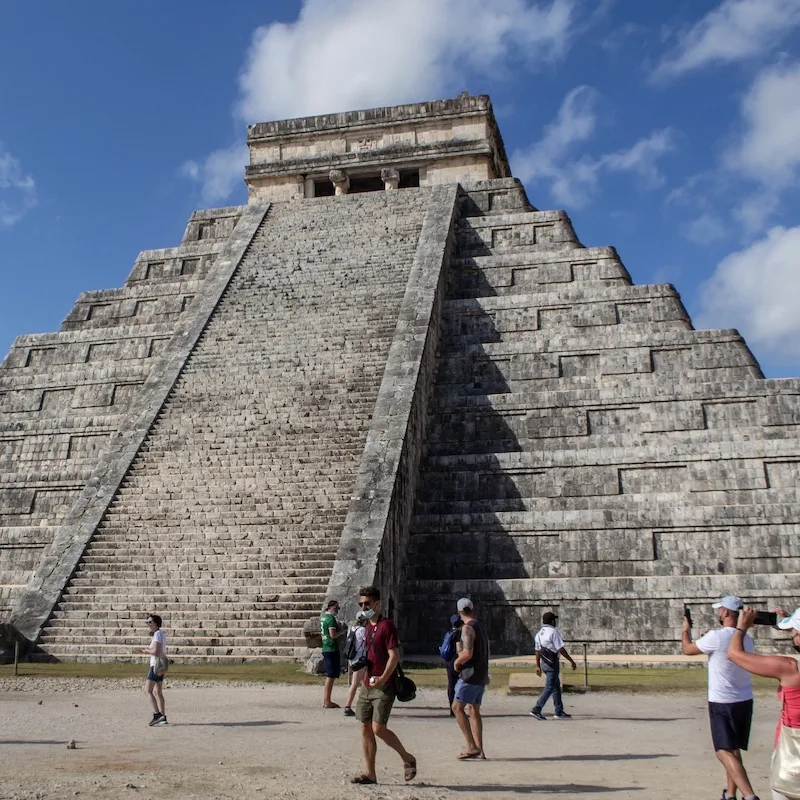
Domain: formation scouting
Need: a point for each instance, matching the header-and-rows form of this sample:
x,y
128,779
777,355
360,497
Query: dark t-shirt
x,y
381,638
480,655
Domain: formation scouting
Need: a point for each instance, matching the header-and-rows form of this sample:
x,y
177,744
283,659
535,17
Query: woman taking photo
x,y
785,774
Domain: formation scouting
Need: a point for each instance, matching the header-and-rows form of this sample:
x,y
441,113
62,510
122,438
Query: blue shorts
x,y
333,664
730,724
470,694
151,676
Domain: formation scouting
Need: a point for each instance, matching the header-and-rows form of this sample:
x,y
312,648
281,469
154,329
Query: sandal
x,y
410,771
362,779
466,756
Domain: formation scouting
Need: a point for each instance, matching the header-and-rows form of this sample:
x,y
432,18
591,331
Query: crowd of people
x,y
372,653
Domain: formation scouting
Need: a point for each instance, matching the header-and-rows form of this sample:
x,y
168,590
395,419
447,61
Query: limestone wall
x,y
590,453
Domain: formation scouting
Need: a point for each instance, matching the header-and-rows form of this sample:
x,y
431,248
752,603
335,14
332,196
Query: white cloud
x,y
770,147
17,190
347,54
768,152
706,228
733,31
573,181
219,173
757,290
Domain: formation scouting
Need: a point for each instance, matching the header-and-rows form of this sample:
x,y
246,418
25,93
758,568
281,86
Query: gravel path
x,y
246,740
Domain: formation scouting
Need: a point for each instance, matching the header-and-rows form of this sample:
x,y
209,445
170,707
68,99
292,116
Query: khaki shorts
x,y
374,705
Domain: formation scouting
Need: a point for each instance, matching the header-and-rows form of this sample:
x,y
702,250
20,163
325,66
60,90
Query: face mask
x,y
334,613
369,614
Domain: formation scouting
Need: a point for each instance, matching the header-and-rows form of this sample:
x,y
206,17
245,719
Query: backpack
x,y
350,645
447,649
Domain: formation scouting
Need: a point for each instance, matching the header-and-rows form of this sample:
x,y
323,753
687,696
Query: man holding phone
x,y
730,694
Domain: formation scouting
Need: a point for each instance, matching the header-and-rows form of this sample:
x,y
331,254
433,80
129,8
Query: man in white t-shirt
x,y
155,676
548,646
730,695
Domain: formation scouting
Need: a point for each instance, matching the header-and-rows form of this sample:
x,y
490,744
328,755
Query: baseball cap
x,y
464,604
789,623
731,602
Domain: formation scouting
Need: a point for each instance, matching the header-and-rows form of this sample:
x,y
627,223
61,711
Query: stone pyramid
x,y
387,367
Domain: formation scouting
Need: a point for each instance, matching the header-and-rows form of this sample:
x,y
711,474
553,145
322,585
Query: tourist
x,y
449,650
549,647
357,665
472,666
158,668
331,654
730,694
785,670
376,695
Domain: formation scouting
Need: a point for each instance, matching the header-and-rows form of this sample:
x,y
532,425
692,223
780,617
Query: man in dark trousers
x,y
472,666
376,695
549,646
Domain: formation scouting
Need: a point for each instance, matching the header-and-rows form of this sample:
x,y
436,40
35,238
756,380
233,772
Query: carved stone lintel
x,y
340,180
390,178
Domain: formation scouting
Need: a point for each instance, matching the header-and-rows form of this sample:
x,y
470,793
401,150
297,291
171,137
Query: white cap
x,y
731,602
464,604
791,623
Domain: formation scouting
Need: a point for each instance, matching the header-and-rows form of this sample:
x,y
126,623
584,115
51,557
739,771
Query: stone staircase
x,y
589,452
63,395
228,520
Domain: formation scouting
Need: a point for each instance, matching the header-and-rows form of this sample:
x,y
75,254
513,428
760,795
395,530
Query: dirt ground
x,y
250,740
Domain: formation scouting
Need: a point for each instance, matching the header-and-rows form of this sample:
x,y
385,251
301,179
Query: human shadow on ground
x,y
540,788
255,724
62,742
632,719
596,757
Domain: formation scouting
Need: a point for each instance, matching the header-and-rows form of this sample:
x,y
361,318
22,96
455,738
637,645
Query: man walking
x,y
730,694
155,676
376,695
472,666
549,647
331,655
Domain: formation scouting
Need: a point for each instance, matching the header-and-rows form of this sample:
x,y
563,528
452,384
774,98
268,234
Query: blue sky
x,y
668,129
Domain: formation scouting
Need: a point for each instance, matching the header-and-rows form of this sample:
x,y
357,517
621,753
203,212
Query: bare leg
x,y
737,775
370,748
158,698
463,723
326,696
390,738
476,726
356,679
148,689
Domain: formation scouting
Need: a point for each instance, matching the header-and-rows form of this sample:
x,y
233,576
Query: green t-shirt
x,y
329,644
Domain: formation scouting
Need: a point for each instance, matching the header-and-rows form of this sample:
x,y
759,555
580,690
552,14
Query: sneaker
x,y
348,712
155,719
162,720
537,714
562,715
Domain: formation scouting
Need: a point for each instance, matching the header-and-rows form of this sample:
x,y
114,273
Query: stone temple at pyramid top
x,y
421,144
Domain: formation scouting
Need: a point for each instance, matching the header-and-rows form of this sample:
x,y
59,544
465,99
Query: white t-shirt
x,y
158,636
548,637
727,682
361,641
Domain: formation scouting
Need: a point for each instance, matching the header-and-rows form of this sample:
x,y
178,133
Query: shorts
x,y
471,694
151,676
333,664
730,724
374,705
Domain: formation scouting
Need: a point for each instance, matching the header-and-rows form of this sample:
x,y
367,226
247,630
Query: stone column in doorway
x,y
309,187
340,181
390,178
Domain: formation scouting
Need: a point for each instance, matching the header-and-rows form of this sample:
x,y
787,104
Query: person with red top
x,y
377,693
782,668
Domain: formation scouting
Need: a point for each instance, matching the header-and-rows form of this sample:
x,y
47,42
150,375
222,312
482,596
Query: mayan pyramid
x,y
388,366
